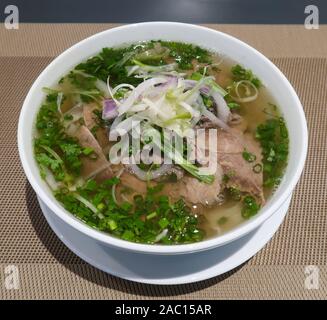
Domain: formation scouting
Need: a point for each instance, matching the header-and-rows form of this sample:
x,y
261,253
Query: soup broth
x,y
165,89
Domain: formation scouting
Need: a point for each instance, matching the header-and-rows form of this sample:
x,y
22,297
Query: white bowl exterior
x,y
271,76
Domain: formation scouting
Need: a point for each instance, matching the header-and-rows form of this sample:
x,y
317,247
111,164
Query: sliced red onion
x,y
205,90
109,110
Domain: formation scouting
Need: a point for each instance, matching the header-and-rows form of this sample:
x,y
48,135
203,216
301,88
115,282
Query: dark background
x,y
194,11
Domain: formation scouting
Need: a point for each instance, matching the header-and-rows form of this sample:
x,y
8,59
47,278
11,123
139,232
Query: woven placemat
x,y
48,270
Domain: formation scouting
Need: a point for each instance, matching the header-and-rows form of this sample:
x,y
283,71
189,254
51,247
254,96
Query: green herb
x,y
274,141
53,146
172,153
196,76
233,105
257,168
143,222
250,207
207,102
240,73
68,117
221,221
235,193
163,223
248,156
185,53
83,85
110,61
227,176
87,151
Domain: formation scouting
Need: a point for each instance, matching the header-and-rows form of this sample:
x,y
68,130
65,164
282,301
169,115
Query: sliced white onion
x,y
50,179
187,107
116,122
113,190
59,100
216,121
102,86
135,94
122,85
110,92
155,107
172,83
138,107
161,235
240,99
88,204
125,126
223,111
131,69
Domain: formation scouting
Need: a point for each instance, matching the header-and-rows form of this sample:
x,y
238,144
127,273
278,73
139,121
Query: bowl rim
x,y
232,235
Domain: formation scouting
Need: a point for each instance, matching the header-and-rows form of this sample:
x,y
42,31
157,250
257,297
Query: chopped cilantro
x,y
185,53
221,221
250,207
273,137
240,73
122,221
248,156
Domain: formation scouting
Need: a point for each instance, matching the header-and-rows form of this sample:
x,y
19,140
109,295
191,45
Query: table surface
x,y
48,270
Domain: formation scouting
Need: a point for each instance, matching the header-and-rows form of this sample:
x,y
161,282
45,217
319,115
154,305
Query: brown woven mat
x,y
47,269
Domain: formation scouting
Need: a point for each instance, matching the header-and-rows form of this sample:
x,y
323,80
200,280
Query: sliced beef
x,y
130,181
230,147
90,120
239,171
105,174
190,189
194,191
238,122
91,167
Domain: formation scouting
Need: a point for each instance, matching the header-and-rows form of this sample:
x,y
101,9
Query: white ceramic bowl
x,y
271,76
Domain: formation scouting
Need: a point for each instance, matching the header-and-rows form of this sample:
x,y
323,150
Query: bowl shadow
x,y
73,263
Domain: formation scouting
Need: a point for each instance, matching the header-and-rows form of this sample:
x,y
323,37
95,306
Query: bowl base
x,y
165,269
